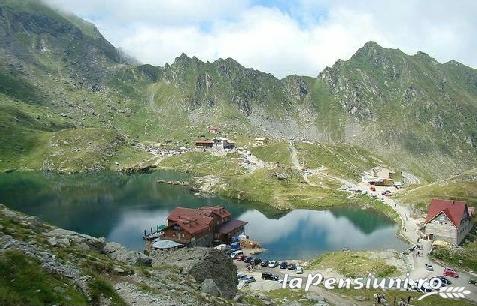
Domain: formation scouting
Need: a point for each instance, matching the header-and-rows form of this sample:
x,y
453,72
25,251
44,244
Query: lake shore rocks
x,y
192,276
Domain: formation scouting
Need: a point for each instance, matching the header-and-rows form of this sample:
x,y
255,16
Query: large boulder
x,y
118,252
202,264
210,287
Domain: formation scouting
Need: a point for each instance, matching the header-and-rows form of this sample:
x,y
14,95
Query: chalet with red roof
x,y
448,220
201,226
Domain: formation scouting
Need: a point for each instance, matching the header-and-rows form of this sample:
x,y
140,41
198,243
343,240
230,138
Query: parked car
x,y
269,276
249,279
264,263
291,266
283,265
240,258
248,259
426,287
235,254
240,275
429,267
450,272
257,261
222,247
299,270
444,280
272,264
235,246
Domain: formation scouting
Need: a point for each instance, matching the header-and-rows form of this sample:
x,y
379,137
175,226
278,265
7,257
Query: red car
x,y
450,272
240,257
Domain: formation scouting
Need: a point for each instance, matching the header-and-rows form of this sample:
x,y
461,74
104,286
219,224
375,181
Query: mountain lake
x,y
120,207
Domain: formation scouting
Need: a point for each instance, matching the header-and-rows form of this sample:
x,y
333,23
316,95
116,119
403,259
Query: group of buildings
x,y
218,143
203,226
380,176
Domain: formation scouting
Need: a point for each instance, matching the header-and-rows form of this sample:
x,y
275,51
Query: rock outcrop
x,y
192,276
205,265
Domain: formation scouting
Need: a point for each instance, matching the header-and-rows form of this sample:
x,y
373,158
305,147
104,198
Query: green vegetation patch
x,y
79,149
340,160
24,282
354,264
204,163
393,297
274,153
282,188
463,187
102,289
464,257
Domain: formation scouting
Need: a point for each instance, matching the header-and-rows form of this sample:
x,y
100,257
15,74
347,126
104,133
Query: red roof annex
x,y
191,220
218,210
454,210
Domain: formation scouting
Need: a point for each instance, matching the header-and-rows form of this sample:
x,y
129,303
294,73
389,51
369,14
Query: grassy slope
x,y
354,264
32,285
263,185
461,187
341,160
276,152
24,282
203,163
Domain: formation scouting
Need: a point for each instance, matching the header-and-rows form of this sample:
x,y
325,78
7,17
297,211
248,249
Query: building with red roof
x,y
201,226
448,220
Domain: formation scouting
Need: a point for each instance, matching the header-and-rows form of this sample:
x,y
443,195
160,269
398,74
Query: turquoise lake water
x,y
119,207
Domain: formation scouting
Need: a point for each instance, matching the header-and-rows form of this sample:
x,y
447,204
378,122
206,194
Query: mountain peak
x,y
371,45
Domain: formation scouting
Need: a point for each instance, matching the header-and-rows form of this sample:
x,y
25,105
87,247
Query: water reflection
x,y
306,233
120,207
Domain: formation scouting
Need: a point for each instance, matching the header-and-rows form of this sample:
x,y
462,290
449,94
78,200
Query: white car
x,y
272,264
429,267
222,247
235,254
299,270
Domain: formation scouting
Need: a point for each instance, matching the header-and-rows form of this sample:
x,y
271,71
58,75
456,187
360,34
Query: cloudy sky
x,y
278,36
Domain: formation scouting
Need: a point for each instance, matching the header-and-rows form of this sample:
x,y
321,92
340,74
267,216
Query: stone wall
x,y
442,230
204,241
464,229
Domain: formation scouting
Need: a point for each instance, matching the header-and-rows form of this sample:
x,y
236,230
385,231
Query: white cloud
x,y
302,38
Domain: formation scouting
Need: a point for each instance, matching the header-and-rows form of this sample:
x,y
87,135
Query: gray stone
x,y
202,263
311,296
210,287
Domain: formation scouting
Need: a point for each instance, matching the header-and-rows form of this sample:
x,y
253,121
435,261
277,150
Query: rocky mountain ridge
x,y
58,72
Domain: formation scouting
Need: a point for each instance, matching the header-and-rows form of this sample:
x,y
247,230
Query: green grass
x,y
462,187
24,282
392,295
204,163
273,153
286,296
465,257
263,186
101,289
340,160
354,264
80,149
128,156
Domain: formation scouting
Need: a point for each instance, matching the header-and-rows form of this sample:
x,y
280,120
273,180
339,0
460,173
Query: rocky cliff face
x,y
93,271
